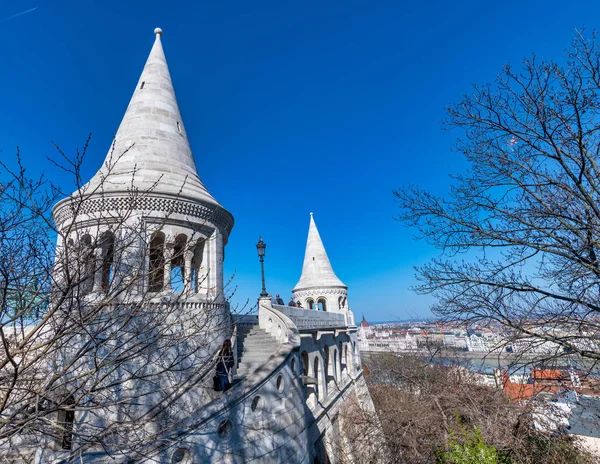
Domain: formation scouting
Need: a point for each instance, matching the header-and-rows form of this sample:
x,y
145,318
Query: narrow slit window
x,y
142,86
178,127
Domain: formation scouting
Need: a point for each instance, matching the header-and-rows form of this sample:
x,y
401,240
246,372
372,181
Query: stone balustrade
x,y
310,319
277,323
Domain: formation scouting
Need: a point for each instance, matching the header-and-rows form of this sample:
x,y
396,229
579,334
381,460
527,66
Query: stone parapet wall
x,y
310,319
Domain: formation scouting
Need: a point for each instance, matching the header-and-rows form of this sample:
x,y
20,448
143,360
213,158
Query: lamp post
x,y
260,247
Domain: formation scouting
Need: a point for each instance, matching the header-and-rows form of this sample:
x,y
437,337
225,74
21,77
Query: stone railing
x,y
311,319
277,324
187,304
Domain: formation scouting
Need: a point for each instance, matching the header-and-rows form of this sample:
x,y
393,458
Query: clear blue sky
x,y
291,107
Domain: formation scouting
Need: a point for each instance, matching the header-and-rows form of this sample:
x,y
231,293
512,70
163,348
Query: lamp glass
x,y
260,247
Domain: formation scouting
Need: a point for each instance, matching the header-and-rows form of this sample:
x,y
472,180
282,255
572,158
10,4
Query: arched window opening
x,y
177,283
305,363
181,456
156,275
64,423
310,304
197,264
178,263
322,304
107,244
225,428
341,302
87,265
256,403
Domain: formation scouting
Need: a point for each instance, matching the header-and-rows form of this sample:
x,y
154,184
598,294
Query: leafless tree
x,y
97,352
519,230
420,406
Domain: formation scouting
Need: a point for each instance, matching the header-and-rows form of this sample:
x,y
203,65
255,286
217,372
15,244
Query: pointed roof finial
x,y
316,270
151,147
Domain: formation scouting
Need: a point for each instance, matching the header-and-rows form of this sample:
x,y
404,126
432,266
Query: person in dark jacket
x,y
279,300
292,303
225,363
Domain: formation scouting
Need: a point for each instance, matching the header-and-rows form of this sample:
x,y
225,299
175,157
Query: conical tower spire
x,y
151,141
316,270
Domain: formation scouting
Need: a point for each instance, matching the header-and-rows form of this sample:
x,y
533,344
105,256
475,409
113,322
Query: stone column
x,y
217,268
187,275
97,270
203,271
168,257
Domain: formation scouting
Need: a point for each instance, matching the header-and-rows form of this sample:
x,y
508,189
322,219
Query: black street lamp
x,y
260,247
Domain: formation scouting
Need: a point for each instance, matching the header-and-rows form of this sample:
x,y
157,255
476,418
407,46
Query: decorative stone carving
x,y
214,214
321,292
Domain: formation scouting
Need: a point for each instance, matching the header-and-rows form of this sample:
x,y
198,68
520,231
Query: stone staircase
x,y
254,348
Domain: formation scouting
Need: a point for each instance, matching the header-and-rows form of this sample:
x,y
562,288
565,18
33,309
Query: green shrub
x,y
471,449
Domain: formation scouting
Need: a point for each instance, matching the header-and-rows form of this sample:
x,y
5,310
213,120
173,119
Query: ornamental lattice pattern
x,y
214,214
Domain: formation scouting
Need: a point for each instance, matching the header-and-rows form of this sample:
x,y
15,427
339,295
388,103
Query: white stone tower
x,y
149,185
319,288
142,350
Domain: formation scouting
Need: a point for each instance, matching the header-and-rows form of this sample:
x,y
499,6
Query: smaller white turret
x,y
319,288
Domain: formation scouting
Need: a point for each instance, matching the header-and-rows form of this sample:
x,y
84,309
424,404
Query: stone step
x,y
254,360
259,346
259,341
258,349
254,349
253,332
265,342
261,352
252,363
253,357
256,338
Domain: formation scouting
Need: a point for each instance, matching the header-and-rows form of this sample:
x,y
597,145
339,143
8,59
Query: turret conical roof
x,y
151,150
316,270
